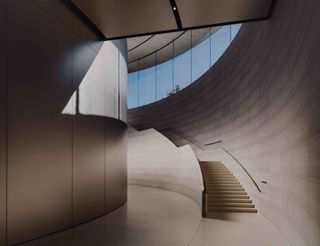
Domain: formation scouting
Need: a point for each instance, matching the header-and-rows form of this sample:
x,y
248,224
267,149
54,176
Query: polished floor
x,y
156,217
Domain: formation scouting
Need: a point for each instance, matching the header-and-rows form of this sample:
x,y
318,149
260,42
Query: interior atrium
x,y
159,123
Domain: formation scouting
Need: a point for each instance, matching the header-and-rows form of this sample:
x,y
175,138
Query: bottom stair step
x,y
229,205
232,209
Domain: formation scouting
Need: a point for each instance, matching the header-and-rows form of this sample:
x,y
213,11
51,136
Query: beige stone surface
x,y
164,218
261,100
153,160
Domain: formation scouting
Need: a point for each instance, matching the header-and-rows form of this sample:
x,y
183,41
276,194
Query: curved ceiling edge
x,y
123,19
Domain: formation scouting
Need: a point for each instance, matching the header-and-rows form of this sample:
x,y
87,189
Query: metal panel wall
x,y
116,164
56,161
88,168
39,136
3,120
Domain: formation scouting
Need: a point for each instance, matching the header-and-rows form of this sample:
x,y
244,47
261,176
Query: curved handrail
x,y
202,147
234,158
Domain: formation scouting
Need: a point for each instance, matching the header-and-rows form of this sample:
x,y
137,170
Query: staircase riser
x,y
228,197
220,180
232,211
224,193
218,176
214,206
227,193
229,201
223,185
214,190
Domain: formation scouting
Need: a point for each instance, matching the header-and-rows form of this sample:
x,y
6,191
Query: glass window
x,y
178,64
200,52
164,71
220,41
234,30
164,79
200,59
147,86
133,92
182,70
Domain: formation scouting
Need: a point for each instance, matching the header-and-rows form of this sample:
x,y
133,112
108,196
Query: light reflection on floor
x,y
157,217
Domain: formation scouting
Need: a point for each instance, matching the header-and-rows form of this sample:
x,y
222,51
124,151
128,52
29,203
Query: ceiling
x,y
146,51
127,18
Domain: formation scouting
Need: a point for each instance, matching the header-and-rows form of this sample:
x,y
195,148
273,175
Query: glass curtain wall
x,y
185,63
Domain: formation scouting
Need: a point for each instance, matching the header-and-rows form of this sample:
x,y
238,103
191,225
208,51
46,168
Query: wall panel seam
x,y
72,136
7,117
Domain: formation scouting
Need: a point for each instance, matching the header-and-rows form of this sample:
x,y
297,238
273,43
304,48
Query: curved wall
x,y
62,122
261,99
155,161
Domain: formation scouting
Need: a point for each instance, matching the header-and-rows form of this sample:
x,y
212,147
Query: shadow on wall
x,y
59,171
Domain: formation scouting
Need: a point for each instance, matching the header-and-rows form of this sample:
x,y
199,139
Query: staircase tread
x,y
209,190
230,209
230,201
227,196
231,205
224,192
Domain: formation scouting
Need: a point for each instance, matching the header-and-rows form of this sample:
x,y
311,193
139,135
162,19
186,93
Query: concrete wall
x,y
155,161
261,99
61,168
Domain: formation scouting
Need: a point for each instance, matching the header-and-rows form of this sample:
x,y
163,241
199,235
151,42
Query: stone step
x,y
222,189
213,162
229,205
213,197
206,168
218,174
232,209
206,179
229,200
222,182
219,177
216,171
221,185
227,192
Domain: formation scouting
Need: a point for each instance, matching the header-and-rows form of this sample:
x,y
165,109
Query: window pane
x,y
182,70
200,59
164,79
133,93
178,64
220,41
234,30
147,86
164,71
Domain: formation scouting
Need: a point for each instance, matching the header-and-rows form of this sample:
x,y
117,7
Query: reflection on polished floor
x,y
157,217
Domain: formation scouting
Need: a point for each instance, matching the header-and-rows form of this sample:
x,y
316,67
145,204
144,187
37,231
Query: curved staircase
x,y
223,192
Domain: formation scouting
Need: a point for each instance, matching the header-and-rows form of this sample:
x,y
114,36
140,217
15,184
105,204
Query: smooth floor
x,y
156,217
